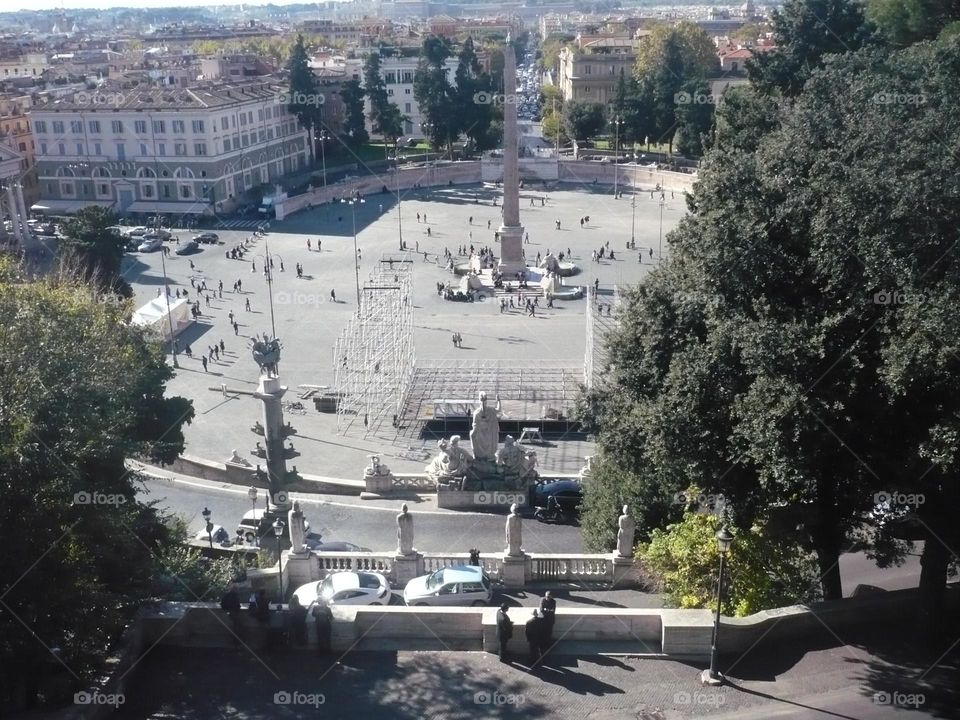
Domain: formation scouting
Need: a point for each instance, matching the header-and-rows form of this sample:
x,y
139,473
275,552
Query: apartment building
x,y
15,133
168,150
589,73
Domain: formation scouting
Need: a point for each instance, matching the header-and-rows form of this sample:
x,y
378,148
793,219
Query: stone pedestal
x,y
511,250
407,567
299,569
377,479
622,569
515,571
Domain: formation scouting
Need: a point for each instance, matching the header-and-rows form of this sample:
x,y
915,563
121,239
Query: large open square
x,y
308,320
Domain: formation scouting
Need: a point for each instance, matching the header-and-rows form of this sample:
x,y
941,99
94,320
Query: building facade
x,y
397,74
197,151
591,76
15,133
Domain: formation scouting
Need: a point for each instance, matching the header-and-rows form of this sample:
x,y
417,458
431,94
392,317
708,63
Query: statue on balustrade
x,y
627,528
405,531
514,533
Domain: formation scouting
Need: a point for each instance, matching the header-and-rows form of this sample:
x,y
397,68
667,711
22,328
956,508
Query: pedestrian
x,y
248,305
297,623
596,284
216,352
236,328
188,351
651,252
191,265
333,295
416,246
319,245
548,610
504,632
230,604
204,361
253,266
281,266
308,244
230,315
240,285
488,224
534,632
223,347
418,217
424,217
323,619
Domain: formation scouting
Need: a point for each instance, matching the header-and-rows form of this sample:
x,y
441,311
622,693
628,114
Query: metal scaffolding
x,y
602,316
374,355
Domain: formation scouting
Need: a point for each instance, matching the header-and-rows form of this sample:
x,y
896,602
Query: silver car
x,y
456,585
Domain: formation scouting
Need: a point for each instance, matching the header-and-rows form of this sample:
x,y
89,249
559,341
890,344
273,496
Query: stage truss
x,y
374,355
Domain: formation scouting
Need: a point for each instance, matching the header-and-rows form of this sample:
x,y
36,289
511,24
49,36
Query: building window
x,y
198,126
121,151
76,127
406,91
79,148
166,191
406,107
161,149
58,127
66,188
159,126
224,123
226,144
185,191
62,148
260,114
40,126
199,148
116,126
263,136
140,126
178,126
143,149
243,119
43,148
148,191
179,148
390,92
588,70
103,189
94,126
250,117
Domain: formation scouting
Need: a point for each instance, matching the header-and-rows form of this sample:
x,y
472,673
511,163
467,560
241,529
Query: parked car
x,y
346,588
568,494
137,231
219,533
206,237
150,244
188,248
455,585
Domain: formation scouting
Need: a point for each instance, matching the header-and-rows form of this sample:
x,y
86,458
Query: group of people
x,y
457,340
295,630
538,629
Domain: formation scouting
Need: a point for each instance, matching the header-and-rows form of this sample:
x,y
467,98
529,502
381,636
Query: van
x,y
250,528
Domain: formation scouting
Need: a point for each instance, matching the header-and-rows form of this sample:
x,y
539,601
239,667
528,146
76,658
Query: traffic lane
x,y
372,527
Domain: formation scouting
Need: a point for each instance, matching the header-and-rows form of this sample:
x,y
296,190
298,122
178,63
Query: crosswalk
x,y
252,224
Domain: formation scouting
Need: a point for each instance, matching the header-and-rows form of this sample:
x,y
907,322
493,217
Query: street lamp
x,y
356,259
712,676
633,218
206,516
323,154
617,122
166,295
252,494
278,528
660,240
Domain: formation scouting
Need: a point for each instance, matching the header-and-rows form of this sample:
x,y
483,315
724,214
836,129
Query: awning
x,y
176,208
67,206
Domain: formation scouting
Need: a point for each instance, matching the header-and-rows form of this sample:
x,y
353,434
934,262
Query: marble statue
x,y
485,433
511,458
460,458
235,459
439,467
514,533
625,534
550,264
298,529
404,531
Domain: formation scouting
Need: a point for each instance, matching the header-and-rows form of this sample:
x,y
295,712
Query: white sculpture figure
x,y
485,433
439,466
374,467
550,264
460,459
235,459
514,533
511,457
625,534
404,531
298,529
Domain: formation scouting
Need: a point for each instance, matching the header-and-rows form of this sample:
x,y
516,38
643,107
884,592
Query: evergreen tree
x,y
305,99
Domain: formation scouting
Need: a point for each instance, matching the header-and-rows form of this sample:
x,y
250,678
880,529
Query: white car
x,y
346,588
137,231
150,244
455,585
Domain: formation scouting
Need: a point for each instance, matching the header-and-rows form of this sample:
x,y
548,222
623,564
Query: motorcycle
x,y
550,513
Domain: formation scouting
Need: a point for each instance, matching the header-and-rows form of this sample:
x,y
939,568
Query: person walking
x,y
504,631
323,619
203,359
308,244
248,305
236,328
333,295
297,623
548,610
223,347
534,632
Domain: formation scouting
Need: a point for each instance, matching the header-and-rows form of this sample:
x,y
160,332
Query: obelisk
x,y
511,231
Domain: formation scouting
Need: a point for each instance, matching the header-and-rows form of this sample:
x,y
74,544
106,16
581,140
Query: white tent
x,y
154,315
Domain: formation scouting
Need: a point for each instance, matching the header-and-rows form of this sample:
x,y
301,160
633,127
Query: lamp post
x,y
278,528
617,122
323,154
712,676
166,295
267,258
660,240
633,219
206,516
252,494
356,259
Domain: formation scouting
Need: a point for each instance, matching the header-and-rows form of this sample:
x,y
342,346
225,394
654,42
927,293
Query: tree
x,y
583,121
903,22
794,352
81,391
694,118
95,247
805,31
435,95
354,126
761,574
385,117
306,100
474,117
684,46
